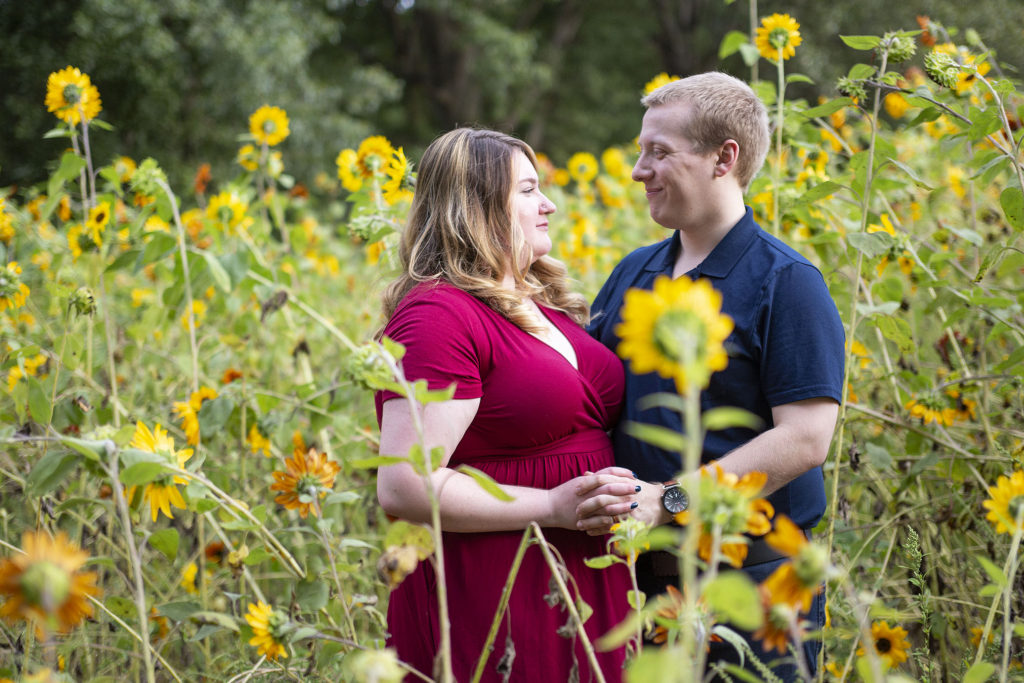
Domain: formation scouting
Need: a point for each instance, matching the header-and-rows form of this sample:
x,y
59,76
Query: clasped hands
x,y
606,496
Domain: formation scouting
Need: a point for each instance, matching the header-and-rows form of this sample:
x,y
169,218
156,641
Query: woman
x,y
481,306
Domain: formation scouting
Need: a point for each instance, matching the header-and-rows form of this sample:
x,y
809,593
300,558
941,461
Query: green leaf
x,y
662,399
256,556
602,562
993,571
980,672
424,395
413,535
377,461
70,166
828,108
861,42
214,619
302,633
311,595
910,173
165,541
486,483
731,43
636,599
93,450
859,72
984,122
878,457
121,606
583,609
662,437
220,276
1012,201
39,402
871,244
750,54
49,472
798,78
724,418
896,330
341,497
1018,629
819,191
734,597
205,631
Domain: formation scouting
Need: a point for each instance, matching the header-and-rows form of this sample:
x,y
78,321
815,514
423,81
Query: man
x,y
702,140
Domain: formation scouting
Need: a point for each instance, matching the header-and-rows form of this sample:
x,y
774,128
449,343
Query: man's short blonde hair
x,y
721,108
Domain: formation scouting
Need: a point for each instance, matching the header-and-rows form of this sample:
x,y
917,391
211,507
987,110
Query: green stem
x,y
688,560
183,253
777,169
1011,561
506,594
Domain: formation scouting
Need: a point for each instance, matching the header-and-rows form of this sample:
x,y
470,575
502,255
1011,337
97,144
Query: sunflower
x,y
675,329
963,68
72,97
629,539
582,167
6,223
32,366
227,211
774,632
188,411
795,583
258,442
931,411
890,643
13,291
1007,502
729,505
400,178
615,164
44,586
125,168
373,155
267,626
162,492
188,578
269,125
777,37
96,224
248,157
308,473
658,81
348,170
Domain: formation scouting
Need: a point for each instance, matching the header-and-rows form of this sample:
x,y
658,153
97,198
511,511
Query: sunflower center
x,y
677,335
1015,507
779,37
72,94
883,645
308,484
45,584
277,624
269,126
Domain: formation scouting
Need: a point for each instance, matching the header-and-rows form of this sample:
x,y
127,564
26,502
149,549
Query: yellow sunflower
x,y
227,211
97,221
890,643
267,626
125,168
258,442
777,37
658,81
795,583
615,163
730,505
1007,502
675,329
6,223
629,539
13,291
348,170
399,173
32,365
582,167
163,491
373,155
308,474
931,411
774,632
188,412
269,125
44,586
969,67
248,157
72,97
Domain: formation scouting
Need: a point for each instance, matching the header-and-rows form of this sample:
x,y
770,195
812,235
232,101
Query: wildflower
x,y
44,586
899,48
896,105
976,633
380,666
269,125
13,291
258,442
96,224
32,365
64,209
188,579
125,168
268,627
931,410
227,210
582,167
777,37
162,492
348,170
399,173
248,157
308,474
141,296
795,583
730,505
6,223
374,251
956,65
1006,504
614,161
670,611
774,632
230,375
561,177
188,412
675,329
72,97
202,178
658,81
215,552
926,37
396,563
890,643
629,539
861,352
373,155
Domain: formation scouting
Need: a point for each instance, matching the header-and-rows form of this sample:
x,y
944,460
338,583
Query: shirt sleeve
x,y
441,338
803,338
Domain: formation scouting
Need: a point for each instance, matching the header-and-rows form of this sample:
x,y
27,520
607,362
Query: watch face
x,y
675,499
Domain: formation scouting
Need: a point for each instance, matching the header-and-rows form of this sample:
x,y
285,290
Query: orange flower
x,y
202,179
308,474
795,583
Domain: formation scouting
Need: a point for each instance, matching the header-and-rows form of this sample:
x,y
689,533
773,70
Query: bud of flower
x,y
376,666
899,48
82,302
367,367
45,585
147,177
811,565
941,68
396,563
972,38
851,88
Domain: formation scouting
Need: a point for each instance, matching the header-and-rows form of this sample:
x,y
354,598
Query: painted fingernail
x,y
633,473
638,488
634,506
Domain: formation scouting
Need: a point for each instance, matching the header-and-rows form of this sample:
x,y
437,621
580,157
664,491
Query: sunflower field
x,y
187,434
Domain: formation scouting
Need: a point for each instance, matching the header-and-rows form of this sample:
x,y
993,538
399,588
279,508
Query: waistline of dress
x,y
590,441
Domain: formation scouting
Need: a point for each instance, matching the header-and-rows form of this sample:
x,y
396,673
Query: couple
x,y
539,387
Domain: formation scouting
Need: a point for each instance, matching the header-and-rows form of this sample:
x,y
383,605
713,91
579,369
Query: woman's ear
x,y
728,155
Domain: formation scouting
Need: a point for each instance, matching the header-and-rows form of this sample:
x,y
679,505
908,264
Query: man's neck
x,y
698,241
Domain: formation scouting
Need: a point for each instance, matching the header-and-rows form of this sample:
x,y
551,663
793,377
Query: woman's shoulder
x,y
435,293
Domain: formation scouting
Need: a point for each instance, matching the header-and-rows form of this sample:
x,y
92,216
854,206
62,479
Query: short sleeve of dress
x,y
804,339
442,333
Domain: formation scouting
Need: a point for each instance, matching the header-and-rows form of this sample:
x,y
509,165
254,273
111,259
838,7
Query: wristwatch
x,y
674,498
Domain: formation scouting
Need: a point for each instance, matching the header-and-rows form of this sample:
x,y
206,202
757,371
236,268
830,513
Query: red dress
x,y
540,423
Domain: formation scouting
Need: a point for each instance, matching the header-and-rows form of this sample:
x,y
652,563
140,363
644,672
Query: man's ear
x,y
728,156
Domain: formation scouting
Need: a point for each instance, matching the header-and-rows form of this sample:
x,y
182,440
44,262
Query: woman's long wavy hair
x,y
462,230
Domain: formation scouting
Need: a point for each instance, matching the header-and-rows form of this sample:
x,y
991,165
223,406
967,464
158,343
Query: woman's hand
x,y
604,496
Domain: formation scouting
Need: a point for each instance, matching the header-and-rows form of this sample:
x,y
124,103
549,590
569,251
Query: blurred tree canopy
x,y
179,78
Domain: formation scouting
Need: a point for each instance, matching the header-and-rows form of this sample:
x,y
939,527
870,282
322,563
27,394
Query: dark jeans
x,y
782,666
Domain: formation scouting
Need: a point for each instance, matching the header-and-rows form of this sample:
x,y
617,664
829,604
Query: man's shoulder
x,y
781,253
642,257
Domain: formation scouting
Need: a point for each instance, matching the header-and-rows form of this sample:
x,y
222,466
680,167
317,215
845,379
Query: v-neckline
x,y
575,352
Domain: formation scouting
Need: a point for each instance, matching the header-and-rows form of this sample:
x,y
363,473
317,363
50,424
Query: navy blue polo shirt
x,y
787,345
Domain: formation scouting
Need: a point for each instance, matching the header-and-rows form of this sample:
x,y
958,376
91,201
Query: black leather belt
x,y
663,563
